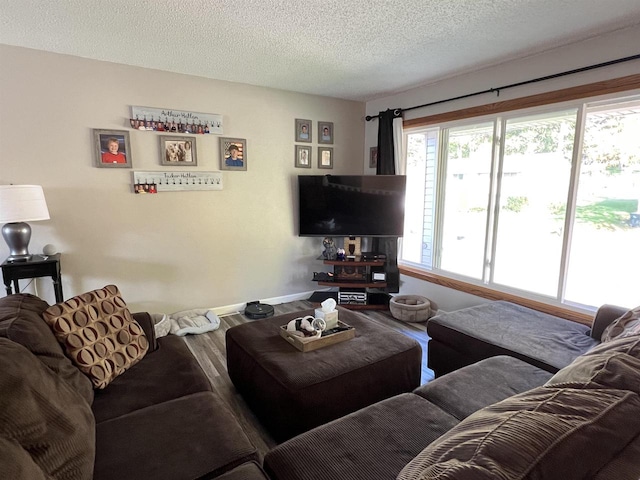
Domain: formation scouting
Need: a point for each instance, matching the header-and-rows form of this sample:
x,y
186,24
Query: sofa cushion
x,y
246,471
98,333
190,437
168,373
21,322
624,326
372,443
476,386
615,364
504,328
543,433
43,421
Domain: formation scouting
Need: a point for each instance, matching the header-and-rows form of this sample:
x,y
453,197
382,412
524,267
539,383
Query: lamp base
x,y
17,236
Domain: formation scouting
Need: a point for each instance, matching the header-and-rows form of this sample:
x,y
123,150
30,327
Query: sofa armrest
x,y
146,322
604,316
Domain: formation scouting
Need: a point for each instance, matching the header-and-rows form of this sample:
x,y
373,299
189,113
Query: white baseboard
x,y
239,307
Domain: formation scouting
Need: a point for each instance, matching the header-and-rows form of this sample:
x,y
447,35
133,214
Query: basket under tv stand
x,y
356,289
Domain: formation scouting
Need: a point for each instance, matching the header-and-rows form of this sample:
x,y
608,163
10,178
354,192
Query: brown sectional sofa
x,y
160,419
499,418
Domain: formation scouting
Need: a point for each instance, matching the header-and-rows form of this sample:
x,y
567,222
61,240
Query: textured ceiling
x,y
352,49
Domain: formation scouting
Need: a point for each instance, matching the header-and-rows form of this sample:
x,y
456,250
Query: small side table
x,y
37,266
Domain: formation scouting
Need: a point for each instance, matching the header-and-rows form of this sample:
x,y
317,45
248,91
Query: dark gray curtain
x,y
386,156
387,166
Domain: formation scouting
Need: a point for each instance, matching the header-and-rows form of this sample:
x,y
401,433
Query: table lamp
x,y
20,204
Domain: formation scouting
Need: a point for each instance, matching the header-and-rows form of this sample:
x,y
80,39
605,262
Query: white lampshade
x,y
22,203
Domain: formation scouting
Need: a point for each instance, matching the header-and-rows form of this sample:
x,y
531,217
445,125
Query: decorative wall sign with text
x,y
178,121
152,182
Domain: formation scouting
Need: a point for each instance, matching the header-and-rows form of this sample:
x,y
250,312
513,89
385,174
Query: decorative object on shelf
x,y
350,273
49,249
233,154
341,254
303,156
20,204
303,130
178,151
176,181
373,157
325,132
352,246
175,121
330,251
112,148
325,157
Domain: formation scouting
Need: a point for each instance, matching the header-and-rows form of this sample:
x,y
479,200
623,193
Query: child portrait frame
x,y
303,131
233,154
120,157
325,132
325,157
178,151
303,156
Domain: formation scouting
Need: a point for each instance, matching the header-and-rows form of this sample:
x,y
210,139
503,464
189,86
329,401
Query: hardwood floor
x,y
209,350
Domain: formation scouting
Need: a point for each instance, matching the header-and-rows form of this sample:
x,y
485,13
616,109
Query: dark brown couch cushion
x,y
374,443
614,364
98,334
21,322
43,415
476,386
189,437
543,433
168,373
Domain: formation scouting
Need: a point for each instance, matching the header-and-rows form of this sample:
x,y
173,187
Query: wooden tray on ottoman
x,y
305,344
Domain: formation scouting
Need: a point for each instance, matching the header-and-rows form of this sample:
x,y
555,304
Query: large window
x,y
542,202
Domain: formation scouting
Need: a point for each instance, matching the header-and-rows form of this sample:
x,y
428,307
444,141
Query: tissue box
x,y
330,318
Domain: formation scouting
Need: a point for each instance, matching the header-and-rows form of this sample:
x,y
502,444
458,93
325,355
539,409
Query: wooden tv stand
x,y
353,277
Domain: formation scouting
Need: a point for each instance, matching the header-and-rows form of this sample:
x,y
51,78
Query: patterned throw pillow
x,y
625,326
98,333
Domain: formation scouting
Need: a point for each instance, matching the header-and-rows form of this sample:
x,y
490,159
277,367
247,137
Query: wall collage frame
x,y
303,154
178,131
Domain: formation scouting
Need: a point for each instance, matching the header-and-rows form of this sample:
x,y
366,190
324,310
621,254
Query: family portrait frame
x,y
303,156
178,151
112,148
325,132
325,157
303,131
233,154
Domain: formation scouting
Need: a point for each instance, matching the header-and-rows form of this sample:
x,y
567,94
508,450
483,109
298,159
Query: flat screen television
x,y
351,205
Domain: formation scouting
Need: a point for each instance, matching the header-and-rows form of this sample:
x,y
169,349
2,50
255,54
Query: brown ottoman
x,y
292,392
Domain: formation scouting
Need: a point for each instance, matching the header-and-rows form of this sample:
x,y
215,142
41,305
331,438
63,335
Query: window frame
x,y
499,112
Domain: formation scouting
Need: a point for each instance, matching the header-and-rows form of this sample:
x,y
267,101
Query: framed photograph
x,y
233,154
373,157
112,148
303,156
325,132
325,157
178,151
303,131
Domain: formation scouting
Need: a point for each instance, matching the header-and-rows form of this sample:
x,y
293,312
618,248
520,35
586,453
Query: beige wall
x,y
173,250
600,49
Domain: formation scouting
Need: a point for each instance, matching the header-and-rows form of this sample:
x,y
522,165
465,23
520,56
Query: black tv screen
x,y
351,205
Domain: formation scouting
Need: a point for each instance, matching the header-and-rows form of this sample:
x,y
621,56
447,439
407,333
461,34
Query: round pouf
x,y
412,308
